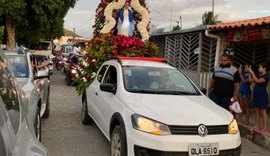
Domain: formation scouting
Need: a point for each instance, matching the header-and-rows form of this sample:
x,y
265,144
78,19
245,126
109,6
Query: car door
x,y
92,94
108,102
9,110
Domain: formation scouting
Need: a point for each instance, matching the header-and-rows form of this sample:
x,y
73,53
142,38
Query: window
x,y
101,73
111,75
19,65
9,95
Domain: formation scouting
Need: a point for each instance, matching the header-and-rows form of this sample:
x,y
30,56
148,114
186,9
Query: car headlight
x,y
233,127
149,126
73,71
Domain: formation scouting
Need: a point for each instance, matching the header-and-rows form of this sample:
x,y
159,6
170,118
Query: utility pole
x,y
171,21
73,35
180,23
213,6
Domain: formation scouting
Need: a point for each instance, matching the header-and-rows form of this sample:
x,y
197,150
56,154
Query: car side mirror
x,y
108,87
41,74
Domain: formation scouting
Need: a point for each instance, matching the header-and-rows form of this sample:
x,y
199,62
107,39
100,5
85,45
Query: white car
x,y
146,107
34,83
17,131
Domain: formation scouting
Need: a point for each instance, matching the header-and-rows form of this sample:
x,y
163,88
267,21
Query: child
x,y
260,96
245,92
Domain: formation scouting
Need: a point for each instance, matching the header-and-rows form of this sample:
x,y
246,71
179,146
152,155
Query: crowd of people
x,y
229,84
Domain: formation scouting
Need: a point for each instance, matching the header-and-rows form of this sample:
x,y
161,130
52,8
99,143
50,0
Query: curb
x,y
254,136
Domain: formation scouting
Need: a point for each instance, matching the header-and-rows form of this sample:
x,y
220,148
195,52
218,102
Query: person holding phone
x,y
260,96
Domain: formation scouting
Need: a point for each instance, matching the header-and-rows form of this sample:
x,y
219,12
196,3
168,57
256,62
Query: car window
x,y
101,73
111,75
19,65
157,80
9,95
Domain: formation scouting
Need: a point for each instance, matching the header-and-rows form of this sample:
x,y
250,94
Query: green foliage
x,y
208,18
104,46
175,28
1,33
36,19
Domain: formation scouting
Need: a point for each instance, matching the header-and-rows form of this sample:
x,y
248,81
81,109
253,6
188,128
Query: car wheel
x,y
86,119
47,110
38,125
118,142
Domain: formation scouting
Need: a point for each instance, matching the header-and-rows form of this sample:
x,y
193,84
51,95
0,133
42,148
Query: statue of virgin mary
x,y
125,25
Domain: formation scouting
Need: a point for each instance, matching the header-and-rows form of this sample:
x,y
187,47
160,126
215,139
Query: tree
x,y
209,19
175,28
11,13
33,20
100,18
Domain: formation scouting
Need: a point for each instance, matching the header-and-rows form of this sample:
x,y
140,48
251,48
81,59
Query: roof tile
x,y
237,24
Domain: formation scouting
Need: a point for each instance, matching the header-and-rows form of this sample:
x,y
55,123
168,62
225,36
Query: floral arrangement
x,y
104,46
135,4
100,18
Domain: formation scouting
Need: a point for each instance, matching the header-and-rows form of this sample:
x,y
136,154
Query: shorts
x,y
221,101
245,95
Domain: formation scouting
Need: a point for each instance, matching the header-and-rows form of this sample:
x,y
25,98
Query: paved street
x,y
64,135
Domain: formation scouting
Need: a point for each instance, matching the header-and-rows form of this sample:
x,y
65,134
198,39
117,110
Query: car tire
x,y
37,125
47,110
118,141
86,119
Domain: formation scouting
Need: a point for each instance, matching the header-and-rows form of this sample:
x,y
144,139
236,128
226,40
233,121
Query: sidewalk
x,y
261,139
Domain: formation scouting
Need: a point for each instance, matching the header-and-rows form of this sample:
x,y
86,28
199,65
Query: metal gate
x,y
250,53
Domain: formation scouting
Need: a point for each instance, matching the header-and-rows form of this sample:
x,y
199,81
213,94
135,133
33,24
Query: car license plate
x,y
203,149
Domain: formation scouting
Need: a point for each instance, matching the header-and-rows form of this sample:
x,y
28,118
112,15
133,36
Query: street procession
x,y
135,78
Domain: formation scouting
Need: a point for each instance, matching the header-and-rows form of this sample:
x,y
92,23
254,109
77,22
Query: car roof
x,y
12,52
142,61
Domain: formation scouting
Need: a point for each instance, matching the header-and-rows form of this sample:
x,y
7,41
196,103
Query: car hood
x,y
179,110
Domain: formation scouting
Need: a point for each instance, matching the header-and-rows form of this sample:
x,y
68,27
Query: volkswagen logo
x,y
202,130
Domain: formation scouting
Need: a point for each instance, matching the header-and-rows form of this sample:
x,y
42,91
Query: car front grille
x,y
193,130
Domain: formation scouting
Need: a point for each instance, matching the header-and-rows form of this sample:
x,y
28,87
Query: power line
x,y
85,22
168,18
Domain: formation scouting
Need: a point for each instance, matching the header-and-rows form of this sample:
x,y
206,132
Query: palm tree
x,y
208,18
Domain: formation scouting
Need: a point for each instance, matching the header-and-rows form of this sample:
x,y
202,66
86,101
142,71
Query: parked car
x,y
146,107
34,82
17,131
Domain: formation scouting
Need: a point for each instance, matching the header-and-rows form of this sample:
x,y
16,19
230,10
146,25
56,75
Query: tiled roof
x,y
237,24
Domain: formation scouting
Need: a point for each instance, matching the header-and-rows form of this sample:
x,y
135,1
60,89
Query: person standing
x,y
125,25
225,82
260,96
245,92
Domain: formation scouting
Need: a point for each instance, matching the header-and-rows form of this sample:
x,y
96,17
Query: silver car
x,y
17,133
34,82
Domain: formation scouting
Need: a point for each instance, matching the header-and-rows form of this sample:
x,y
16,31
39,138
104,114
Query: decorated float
x,y
121,29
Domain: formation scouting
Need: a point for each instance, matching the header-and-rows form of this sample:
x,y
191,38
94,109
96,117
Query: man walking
x,y
225,82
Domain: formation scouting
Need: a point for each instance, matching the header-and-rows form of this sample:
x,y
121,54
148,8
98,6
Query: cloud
x,y
191,12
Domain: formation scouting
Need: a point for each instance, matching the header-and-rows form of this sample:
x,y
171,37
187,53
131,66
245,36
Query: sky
x,y
166,13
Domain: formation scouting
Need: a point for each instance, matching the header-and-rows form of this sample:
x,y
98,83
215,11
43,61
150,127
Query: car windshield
x,y
19,65
157,80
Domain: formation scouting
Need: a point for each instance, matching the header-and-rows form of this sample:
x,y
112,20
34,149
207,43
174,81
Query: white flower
x,y
109,20
135,4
